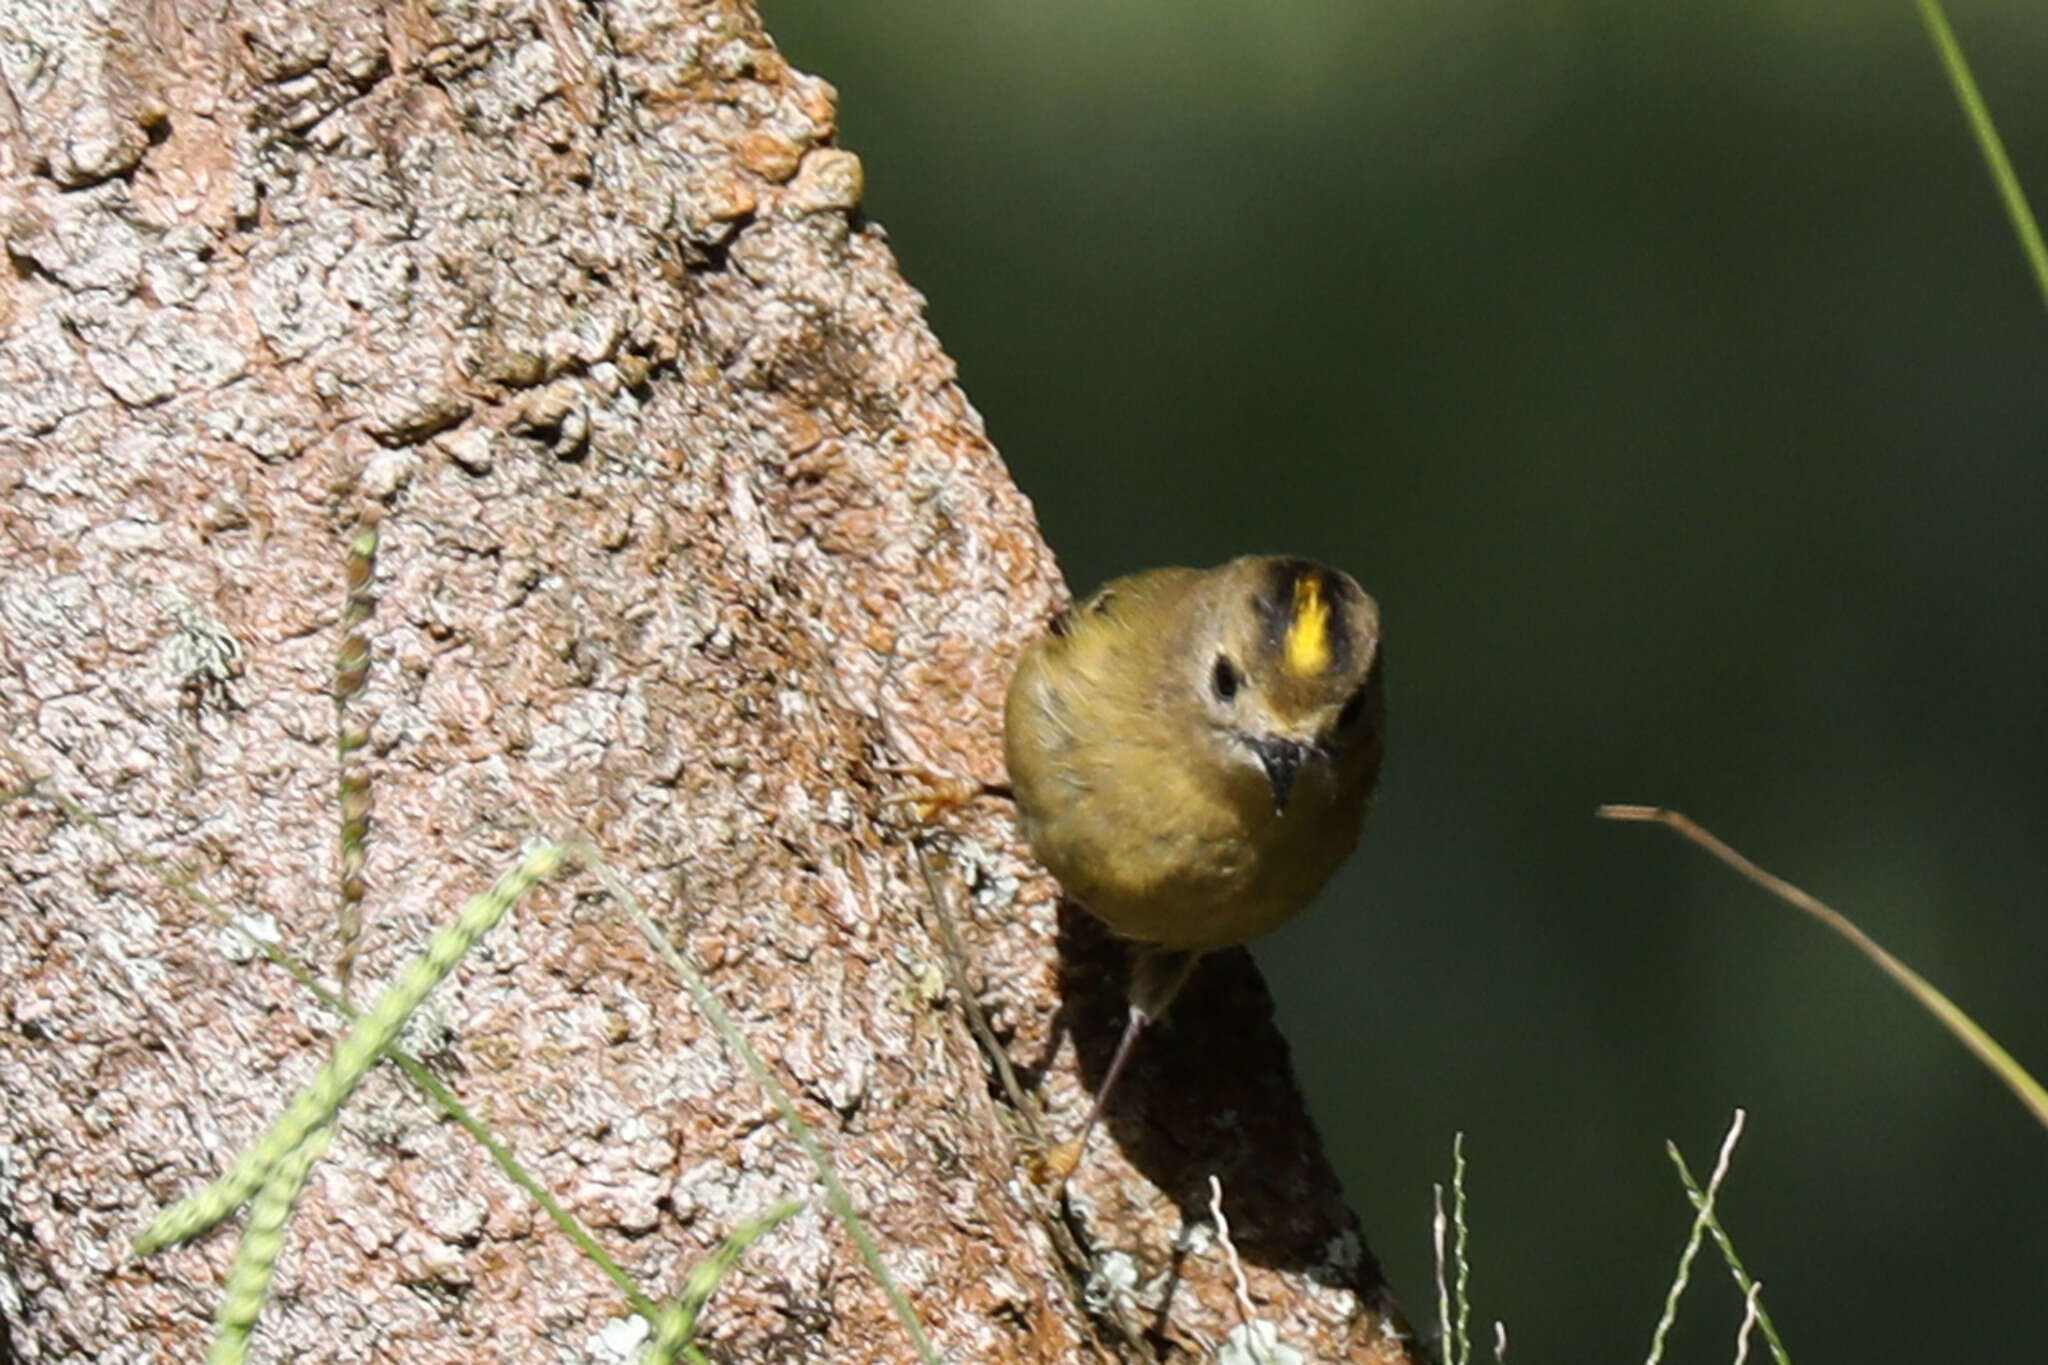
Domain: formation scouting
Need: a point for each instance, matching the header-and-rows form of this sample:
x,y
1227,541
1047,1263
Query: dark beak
x,y
1282,759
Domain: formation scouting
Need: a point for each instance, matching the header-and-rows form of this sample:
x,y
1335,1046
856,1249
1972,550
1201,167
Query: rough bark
x,y
690,542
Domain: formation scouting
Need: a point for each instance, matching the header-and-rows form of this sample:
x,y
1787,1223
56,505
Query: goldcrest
x,y
1192,753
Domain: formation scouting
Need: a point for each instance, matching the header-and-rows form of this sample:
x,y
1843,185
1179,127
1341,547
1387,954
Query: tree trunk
x,y
686,540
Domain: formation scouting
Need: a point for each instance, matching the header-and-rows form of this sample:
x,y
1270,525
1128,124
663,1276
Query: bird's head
x,y
1285,657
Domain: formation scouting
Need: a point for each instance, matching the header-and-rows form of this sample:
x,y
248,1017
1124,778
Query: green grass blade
x,y
836,1196
1988,141
317,1103
1703,1203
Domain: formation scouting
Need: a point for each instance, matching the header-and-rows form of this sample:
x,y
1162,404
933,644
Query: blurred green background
x,y
1671,375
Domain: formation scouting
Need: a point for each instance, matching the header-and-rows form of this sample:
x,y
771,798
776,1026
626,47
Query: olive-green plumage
x,y
1192,751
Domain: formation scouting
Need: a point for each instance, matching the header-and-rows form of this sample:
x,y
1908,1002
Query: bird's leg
x,y
1157,975
1063,1160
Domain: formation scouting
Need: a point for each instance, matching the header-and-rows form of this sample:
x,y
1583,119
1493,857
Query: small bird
x,y
1191,752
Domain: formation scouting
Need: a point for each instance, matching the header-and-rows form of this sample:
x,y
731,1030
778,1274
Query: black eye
x,y
1353,709
1223,679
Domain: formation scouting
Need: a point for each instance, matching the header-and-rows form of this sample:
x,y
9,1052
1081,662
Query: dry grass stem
x,y
2017,1079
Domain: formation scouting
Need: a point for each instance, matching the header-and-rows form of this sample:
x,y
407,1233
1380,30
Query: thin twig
x,y
977,1018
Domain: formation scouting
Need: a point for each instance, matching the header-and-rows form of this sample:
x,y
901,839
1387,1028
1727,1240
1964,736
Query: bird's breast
x,y
1194,864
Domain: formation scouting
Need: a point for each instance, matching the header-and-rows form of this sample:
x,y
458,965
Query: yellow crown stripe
x,y
1308,636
